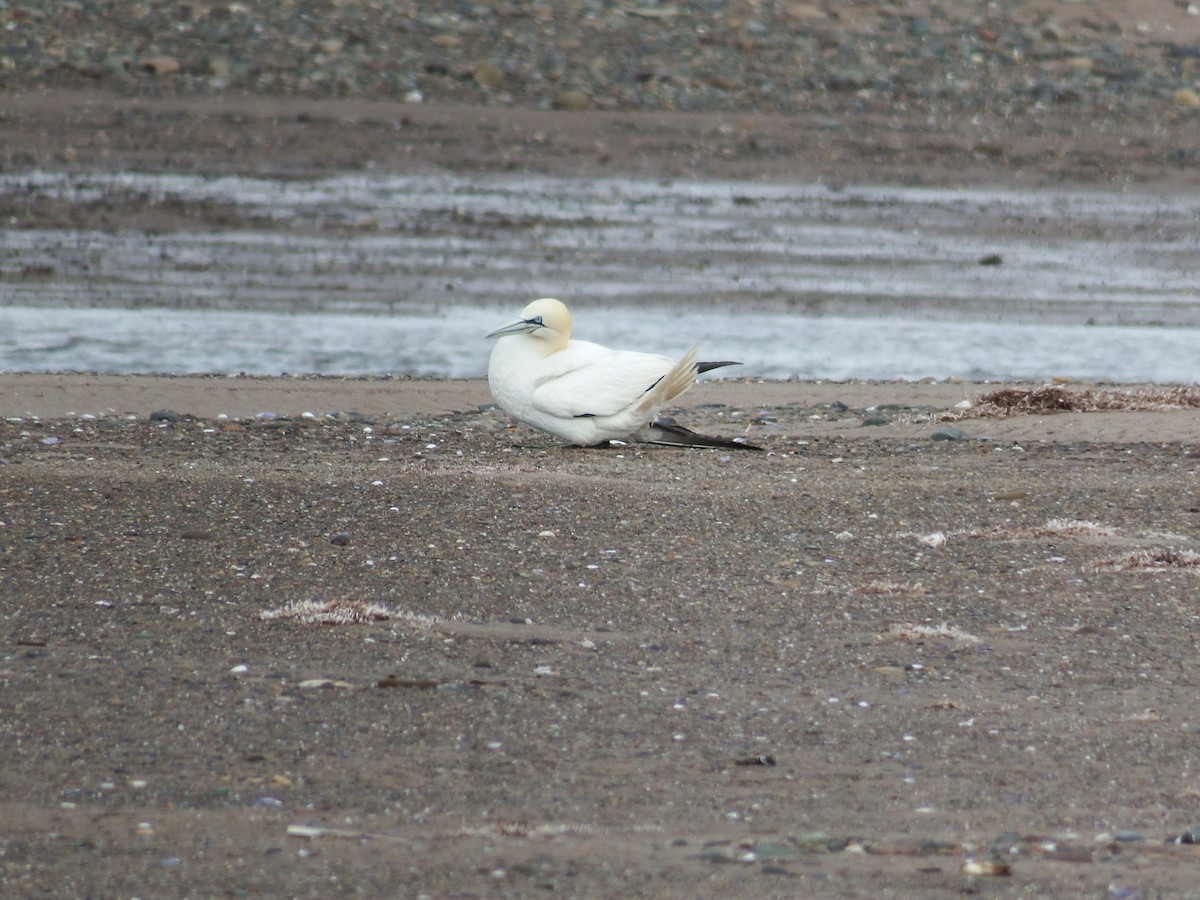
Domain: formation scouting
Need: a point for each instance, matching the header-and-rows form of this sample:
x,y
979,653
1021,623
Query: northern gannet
x,y
587,394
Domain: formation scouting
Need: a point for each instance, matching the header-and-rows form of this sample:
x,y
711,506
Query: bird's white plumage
x,y
581,392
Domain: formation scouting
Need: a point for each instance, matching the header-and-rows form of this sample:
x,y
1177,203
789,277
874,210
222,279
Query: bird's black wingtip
x,y
673,435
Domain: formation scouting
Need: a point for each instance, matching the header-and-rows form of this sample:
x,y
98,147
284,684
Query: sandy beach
x,y
867,661
325,637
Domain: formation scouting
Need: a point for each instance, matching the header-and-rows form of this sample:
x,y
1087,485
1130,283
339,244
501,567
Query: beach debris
x,y
1070,528
913,632
1051,399
310,683
343,612
888,588
934,539
1052,528
397,681
765,759
1154,559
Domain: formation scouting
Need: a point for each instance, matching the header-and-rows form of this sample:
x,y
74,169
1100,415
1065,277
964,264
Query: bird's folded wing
x,y
602,388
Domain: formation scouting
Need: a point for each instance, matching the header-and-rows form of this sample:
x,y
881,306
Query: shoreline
x,y
809,408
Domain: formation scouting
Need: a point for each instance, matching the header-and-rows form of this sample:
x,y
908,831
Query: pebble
x,y
572,101
1009,496
950,433
1127,837
1191,836
784,57
161,65
488,76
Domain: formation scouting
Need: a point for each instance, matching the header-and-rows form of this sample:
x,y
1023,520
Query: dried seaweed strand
x,y
1051,399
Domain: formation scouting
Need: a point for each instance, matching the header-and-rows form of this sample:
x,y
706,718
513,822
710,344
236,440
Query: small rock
x,y
161,65
487,75
341,539
1016,494
848,78
801,11
1052,31
1127,837
950,433
571,101
396,681
986,867
219,68
1186,97
118,66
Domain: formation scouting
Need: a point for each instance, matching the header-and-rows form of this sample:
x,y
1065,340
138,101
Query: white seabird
x,y
587,394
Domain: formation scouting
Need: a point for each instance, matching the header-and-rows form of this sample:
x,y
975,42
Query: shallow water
x,y
362,274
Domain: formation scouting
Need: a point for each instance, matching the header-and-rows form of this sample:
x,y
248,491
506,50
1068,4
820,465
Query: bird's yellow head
x,y
546,320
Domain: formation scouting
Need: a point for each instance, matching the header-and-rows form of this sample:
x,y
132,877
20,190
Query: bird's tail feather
x,y
681,376
677,379
659,432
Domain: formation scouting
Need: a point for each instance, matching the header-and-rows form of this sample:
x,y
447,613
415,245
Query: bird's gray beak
x,y
521,326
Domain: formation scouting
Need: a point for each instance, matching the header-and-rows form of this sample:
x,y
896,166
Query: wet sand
x,y
273,135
